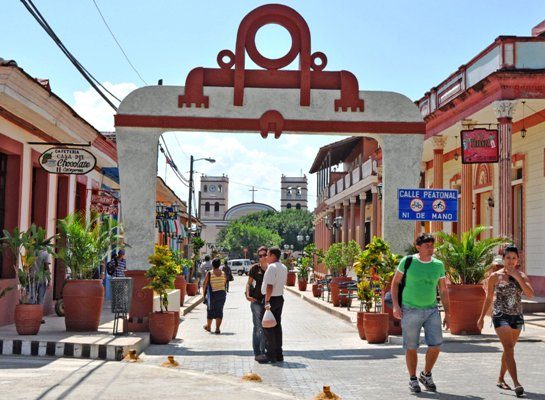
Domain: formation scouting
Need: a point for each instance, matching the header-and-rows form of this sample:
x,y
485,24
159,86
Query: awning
x,y
112,173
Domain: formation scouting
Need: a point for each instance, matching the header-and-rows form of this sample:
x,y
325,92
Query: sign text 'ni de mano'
x,y
480,146
428,204
61,160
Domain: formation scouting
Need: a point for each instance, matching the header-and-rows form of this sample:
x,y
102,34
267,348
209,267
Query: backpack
x,y
228,273
111,266
388,296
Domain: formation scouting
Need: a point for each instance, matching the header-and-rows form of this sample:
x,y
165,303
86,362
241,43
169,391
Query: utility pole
x,y
190,200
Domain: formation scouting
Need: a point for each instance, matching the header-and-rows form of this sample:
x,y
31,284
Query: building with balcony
x,y
502,88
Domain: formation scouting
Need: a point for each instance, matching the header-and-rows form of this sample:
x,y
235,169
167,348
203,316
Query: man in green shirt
x,y
419,308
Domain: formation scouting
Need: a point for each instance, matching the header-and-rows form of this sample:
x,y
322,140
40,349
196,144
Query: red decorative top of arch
x,y
309,76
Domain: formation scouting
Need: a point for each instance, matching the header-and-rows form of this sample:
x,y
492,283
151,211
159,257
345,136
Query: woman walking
x,y
214,290
506,287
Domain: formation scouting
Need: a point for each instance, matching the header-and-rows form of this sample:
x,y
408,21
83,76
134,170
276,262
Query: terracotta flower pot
x,y
161,327
334,285
291,278
466,303
316,289
302,285
176,324
376,327
361,327
192,288
83,300
28,318
181,284
394,324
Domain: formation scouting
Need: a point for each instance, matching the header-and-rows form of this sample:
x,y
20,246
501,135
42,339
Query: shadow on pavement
x,y
446,396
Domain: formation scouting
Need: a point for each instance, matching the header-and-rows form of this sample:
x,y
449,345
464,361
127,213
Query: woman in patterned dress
x,y
505,288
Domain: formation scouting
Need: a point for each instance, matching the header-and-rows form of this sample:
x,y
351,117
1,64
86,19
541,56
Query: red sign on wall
x,y
103,202
480,146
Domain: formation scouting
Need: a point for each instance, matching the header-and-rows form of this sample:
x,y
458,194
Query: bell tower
x,y
213,198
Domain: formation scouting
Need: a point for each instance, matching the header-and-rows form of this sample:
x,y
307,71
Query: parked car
x,y
239,266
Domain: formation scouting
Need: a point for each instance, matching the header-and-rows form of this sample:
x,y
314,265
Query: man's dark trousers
x,y
274,335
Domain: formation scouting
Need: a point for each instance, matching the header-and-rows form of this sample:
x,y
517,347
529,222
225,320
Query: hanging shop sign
x,y
427,204
480,146
71,161
104,202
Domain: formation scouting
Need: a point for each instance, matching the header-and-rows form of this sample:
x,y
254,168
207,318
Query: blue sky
x,y
403,46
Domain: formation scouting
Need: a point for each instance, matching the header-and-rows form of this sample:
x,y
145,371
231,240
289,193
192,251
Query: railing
x,y
505,53
351,178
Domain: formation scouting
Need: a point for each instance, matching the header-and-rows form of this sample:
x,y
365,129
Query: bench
x,y
324,285
348,291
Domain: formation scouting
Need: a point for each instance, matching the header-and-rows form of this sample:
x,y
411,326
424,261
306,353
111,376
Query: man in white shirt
x,y
272,288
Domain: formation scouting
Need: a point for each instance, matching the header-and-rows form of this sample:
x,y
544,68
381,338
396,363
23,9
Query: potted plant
x,y
180,282
339,258
84,245
466,260
375,267
311,256
302,275
290,263
26,248
163,324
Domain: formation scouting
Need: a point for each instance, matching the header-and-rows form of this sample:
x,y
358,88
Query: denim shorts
x,y
514,321
412,322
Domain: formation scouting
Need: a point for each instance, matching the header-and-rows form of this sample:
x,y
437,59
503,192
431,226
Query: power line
x,y
118,44
33,10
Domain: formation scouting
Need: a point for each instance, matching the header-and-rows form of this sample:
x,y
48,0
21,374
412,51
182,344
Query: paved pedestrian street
x,y
321,349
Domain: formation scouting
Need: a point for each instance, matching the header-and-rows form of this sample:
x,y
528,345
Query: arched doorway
x,y
231,98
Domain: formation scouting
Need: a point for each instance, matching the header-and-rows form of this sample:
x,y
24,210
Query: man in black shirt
x,y
254,296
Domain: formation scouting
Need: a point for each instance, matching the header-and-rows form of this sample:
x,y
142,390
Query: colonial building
x,y
214,211
294,193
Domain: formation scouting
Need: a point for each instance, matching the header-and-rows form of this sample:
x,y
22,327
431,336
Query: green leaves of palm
x,y
467,258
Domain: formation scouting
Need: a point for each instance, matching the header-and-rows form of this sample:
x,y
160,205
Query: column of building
x,y
438,147
337,231
345,221
504,112
352,227
362,220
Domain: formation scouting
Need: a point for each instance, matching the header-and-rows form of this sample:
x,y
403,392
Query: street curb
x,y
193,304
319,305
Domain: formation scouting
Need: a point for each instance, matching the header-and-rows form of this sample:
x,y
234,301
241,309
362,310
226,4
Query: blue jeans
x,y
258,338
414,319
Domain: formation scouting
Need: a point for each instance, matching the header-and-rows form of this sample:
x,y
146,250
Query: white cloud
x,y
95,110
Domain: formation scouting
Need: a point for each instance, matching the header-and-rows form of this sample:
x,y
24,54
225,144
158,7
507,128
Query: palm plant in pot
x,y
302,274
375,266
83,245
28,249
467,260
161,275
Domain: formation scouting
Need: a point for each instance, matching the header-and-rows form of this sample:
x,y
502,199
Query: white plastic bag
x,y
268,319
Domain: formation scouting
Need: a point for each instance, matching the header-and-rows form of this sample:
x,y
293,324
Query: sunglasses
x,y
262,255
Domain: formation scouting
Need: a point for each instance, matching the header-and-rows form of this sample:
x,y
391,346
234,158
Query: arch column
x,y
504,112
438,146
401,160
137,161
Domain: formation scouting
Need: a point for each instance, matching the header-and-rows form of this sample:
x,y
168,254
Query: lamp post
x,y
192,160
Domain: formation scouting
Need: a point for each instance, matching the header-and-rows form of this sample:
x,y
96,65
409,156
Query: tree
x,y
238,236
287,224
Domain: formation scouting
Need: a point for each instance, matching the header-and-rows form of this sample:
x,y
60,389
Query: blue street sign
x,y
428,204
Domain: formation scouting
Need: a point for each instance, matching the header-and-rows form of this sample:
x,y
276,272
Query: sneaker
x,y
414,386
427,381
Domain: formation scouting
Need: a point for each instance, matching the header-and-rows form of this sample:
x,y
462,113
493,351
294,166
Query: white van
x,y
239,266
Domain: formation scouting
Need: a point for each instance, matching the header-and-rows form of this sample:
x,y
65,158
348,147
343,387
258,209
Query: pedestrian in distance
x,y
505,289
215,295
43,273
117,266
418,308
228,274
256,299
272,288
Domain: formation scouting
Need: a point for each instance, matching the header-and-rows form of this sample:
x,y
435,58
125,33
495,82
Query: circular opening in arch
x,y
273,41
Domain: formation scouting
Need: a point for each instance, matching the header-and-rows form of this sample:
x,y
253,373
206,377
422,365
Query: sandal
x,y
503,385
519,391
206,328
217,332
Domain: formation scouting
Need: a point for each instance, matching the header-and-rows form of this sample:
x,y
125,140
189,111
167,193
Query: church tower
x,y
213,197
294,193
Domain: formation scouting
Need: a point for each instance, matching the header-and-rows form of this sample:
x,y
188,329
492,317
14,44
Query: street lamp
x,y
192,160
